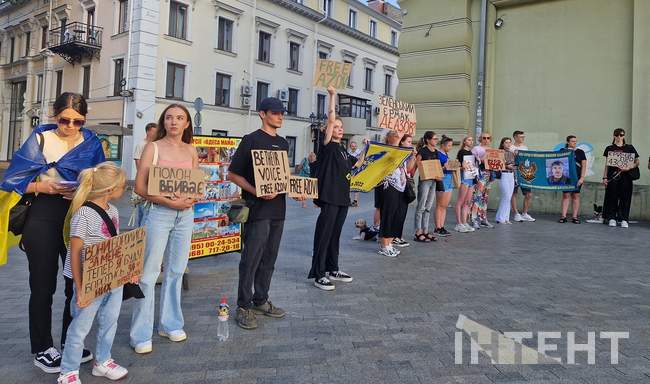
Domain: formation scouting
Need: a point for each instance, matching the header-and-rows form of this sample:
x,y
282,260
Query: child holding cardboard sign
x,y
97,187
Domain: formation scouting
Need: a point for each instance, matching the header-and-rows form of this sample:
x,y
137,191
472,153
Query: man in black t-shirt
x,y
263,229
573,196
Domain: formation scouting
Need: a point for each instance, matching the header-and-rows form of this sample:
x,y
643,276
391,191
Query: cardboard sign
x,y
271,169
495,160
453,165
620,159
396,115
303,187
111,263
334,73
185,182
430,169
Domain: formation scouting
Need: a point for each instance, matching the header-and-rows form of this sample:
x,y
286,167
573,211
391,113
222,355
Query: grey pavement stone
x,y
395,323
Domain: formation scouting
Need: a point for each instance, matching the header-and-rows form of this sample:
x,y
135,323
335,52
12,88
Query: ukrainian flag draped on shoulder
x,y
28,163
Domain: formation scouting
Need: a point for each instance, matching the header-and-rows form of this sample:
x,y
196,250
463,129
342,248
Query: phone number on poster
x,y
215,247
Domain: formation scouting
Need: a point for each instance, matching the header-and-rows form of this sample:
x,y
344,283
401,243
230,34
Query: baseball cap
x,y
272,104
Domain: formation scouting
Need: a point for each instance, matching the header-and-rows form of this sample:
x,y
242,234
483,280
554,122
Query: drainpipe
x,y
480,85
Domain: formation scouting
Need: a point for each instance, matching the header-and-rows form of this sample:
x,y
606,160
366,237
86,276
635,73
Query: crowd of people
x,y
62,167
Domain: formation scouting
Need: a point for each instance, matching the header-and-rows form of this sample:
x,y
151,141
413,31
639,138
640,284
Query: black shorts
x,y
524,190
379,196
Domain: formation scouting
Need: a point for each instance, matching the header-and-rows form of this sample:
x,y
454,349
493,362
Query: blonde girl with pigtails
x,y
94,219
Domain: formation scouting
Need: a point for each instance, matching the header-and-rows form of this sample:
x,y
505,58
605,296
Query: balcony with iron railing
x,y
75,41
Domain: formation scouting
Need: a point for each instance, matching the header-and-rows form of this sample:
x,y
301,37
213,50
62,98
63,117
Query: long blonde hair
x,y
97,182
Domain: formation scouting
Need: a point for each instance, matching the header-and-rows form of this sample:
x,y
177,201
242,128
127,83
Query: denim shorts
x,y
446,184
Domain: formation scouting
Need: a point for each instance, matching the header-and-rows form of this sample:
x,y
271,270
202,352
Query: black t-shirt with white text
x,y
627,148
242,165
580,156
335,164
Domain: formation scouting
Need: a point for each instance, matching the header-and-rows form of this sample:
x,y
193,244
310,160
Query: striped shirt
x,y
87,225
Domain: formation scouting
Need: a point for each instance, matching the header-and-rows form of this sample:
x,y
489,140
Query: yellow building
x,y
552,68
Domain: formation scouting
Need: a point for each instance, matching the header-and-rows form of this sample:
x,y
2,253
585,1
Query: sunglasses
x,y
486,138
620,135
76,123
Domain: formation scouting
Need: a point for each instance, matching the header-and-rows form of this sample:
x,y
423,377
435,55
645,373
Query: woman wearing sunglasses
x,y
618,182
46,168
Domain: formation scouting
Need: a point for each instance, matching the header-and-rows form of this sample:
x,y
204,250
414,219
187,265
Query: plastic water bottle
x,y
223,314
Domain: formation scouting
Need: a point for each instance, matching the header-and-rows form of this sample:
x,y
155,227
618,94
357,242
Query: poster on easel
x,y
213,234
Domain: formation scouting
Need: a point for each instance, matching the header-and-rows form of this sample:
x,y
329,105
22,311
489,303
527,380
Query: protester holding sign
x,y
581,171
618,181
97,186
263,229
466,189
483,184
335,165
443,187
44,171
506,182
169,225
426,150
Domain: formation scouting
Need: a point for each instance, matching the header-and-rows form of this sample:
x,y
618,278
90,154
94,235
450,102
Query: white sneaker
x,y
176,336
460,228
527,217
71,377
624,224
395,249
110,370
144,347
388,252
518,218
469,228
612,222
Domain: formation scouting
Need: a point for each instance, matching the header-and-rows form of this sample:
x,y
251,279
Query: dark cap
x,y
272,104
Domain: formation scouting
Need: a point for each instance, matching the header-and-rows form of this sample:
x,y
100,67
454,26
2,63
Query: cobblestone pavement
x,y
395,323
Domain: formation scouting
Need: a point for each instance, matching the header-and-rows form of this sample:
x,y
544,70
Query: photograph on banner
x,y
587,148
380,161
396,115
271,170
430,170
185,182
303,187
546,170
213,234
111,263
620,159
331,72
495,159
470,171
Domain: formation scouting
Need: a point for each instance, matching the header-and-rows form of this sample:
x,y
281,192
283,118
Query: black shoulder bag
x,y
130,290
18,214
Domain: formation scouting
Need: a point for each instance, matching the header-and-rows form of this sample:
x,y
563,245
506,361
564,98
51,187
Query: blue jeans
x,y
426,198
169,234
108,307
142,214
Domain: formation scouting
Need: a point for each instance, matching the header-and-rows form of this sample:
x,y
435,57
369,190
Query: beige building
x,y
230,54
552,68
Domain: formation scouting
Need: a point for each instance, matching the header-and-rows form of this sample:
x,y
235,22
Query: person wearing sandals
x,y
426,150
169,225
444,188
335,165
464,198
574,195
506,183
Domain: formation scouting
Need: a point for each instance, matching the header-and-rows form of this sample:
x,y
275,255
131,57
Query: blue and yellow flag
x,y
380,161
28,162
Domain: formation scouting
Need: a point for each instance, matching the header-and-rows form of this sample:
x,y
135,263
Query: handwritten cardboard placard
x,y
334,73
185,182
469,167
111,263
495,160
396,115
620,159
303,187
453,165
430,169
271,169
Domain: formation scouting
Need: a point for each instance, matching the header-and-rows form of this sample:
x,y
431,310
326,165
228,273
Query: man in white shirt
x,y
151,130
519,145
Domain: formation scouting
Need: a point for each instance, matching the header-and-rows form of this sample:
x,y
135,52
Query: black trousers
x,y
261,245
393,213
43,242
618,198
327,235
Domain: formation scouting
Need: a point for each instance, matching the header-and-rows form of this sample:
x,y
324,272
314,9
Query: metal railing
x,y
76,33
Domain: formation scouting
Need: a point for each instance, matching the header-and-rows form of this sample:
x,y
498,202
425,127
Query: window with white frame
x,y
118,76
224,41
85,84
368,80
393,38
388,81
264,48
44,37
327,7
222,94
123,16
175,85
373,28
352,18
349,78
28,42
59,83
262,93
294,56
178,20
292,104
39,88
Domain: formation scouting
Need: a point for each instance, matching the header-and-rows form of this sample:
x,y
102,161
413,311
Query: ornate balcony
x,y
76,41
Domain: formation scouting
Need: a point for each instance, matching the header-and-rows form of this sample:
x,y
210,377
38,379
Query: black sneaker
x,y
398,242
324,283
49,360
442,232
86,355
339,276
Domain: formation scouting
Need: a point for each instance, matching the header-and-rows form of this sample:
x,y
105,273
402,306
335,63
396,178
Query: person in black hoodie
x,y
333,173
